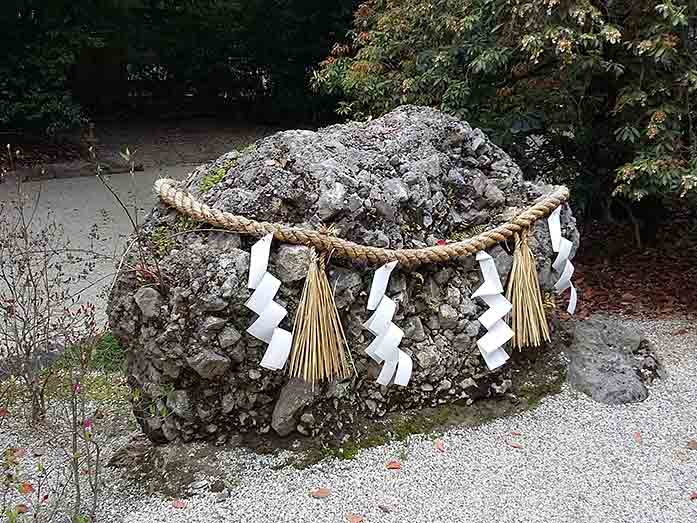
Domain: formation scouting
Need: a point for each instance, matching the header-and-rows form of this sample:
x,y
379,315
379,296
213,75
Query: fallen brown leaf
x,y
693,496
515,445
439,445
354,518
393,464
21,509
178,503
320,492
692,444
516,434
637,437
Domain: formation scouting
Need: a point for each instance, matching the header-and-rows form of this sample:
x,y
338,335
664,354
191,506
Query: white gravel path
x,y
577,461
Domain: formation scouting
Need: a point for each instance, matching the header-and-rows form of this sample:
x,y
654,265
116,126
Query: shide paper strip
x,y
561,264
270,313
397,364
498,332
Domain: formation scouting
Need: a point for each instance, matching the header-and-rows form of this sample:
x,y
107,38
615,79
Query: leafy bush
x,y
592,92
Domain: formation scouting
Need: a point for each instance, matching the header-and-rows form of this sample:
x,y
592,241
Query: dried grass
x,y
319,344
528,319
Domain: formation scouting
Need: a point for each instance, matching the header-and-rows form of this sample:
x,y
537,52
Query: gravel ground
x,y
569,460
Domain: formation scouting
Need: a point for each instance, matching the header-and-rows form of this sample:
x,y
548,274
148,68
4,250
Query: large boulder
x,y
405,180
610,362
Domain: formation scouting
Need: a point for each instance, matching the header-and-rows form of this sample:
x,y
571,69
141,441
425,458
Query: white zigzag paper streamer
x,y
397,365
498,332
561,264
270,313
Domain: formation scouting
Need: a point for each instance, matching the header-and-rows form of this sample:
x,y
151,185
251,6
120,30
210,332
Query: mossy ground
x,y
535,374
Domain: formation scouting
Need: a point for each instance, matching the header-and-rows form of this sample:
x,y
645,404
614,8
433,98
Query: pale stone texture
x,y
405,180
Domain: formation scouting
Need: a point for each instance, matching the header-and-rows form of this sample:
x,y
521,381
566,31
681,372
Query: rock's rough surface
x,y
610,362
408,179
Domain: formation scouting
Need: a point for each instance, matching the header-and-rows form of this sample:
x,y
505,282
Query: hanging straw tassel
x,y
528,319
319,344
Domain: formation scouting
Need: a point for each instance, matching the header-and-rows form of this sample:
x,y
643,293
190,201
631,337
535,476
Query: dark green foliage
x,y
109,355
105,354
65,60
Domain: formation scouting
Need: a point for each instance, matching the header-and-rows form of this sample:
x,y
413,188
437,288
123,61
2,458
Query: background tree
x,y
596,94
68,60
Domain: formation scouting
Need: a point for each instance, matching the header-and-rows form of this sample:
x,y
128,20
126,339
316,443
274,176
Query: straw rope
x,y
186,204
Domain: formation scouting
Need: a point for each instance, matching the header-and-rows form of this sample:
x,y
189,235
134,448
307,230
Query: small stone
x,y
445,384
208,364
178,402
454,296
331,201
414,329
295,396
227,403
307,419
254,374
427,387
217,486
229,336
447,316
222,496
433,323
468,308
291,262
213,324
149,302
198,485
427,357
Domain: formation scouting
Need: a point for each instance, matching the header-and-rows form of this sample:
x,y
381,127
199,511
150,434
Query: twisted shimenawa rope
x,y
186,204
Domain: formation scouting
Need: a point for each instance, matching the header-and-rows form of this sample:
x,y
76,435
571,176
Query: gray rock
x,y
295,396
178,401
149,302
606,360
213,324
447,316
229,336
414,329
208,364
291,263
307,419
331,201
404,180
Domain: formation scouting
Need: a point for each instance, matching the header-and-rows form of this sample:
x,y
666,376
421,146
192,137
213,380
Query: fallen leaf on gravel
x,y
21,509
4,412
637,437
693,496
516,434
692,444
515,445
680,332
320,492
25,488
439,445
393,464
178,503
354,518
